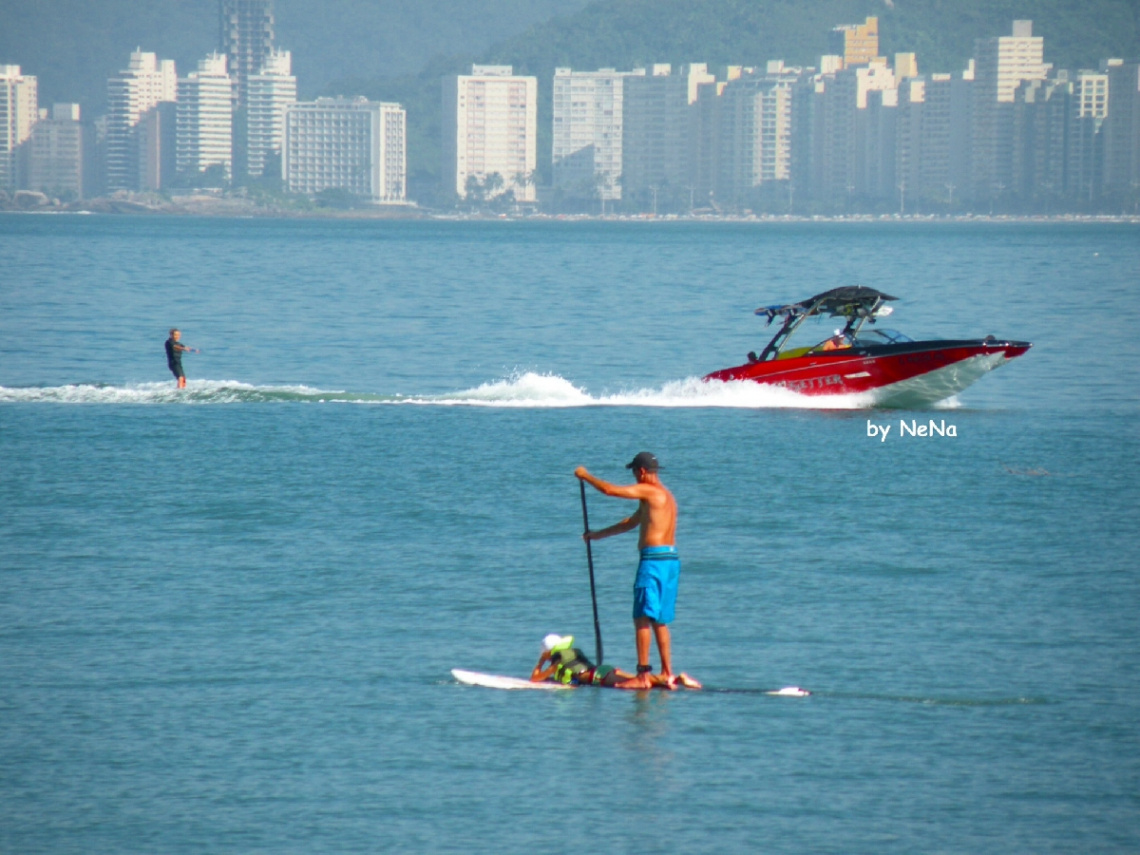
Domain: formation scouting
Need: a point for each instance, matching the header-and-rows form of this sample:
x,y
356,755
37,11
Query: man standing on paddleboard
x,y
655,588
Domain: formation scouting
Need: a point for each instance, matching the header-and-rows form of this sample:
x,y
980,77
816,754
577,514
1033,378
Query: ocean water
x,y
228,615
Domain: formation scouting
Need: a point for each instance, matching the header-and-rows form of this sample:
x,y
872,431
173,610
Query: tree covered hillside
x,y
621,33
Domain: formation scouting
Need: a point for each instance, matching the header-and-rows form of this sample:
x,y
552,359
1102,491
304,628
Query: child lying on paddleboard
x,y
562,662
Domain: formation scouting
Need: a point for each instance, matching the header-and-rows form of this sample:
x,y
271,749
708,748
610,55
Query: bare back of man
x,y
657,514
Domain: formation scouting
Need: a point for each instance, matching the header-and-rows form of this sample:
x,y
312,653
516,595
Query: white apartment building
x,y
205,118
909,135
157,134
876,132
490,128
660,131
55,162
857,44
1041,118
876,76
145,83
755,119
1001,64
944,137
355,145
1088,111
587,140
19,110
1121,130
1005,61
847,118
268,95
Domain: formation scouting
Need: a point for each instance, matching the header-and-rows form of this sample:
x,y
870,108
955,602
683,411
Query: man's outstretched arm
x,y
621,491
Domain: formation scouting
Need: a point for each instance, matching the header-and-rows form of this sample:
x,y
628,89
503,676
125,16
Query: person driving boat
x,y
836,342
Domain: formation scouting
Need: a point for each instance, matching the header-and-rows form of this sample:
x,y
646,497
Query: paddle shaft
x,y
590,562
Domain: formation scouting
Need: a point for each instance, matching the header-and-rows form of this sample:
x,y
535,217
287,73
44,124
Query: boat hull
x,y
902,374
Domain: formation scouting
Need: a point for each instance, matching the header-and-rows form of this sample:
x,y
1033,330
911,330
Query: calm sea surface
x,y
228,615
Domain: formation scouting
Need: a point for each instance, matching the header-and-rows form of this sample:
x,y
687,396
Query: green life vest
x,y
571,662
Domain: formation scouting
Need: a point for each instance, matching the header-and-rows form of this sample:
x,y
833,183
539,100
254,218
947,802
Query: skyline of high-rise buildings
x,y
226,121
857,131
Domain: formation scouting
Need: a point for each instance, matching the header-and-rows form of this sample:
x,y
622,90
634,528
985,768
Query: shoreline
x,y
240,208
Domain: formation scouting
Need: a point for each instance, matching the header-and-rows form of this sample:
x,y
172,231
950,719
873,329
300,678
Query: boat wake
x,y
196,392
530,389
524,390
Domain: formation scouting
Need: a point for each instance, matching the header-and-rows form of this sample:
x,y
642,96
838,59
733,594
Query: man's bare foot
x,y
688,682
671,682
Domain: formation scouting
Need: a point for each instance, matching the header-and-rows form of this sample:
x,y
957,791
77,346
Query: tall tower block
x,y
246,35
131,95
490,120
19,110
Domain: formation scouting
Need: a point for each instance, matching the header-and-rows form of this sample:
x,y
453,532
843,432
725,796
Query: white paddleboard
x,y
495,681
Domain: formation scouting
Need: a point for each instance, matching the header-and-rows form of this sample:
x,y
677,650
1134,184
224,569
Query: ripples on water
x,y
230,627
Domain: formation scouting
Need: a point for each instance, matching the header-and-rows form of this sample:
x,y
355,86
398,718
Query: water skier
x,y
655,587
562,662
174,351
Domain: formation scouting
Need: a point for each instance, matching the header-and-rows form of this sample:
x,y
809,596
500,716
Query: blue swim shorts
x,y
655,588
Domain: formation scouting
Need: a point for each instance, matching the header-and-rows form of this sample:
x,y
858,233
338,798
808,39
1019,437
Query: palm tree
x,y
492,185
523,180
474,189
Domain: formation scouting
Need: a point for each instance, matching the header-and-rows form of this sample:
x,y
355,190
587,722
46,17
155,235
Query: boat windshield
x,y
813,333
819,334
869,337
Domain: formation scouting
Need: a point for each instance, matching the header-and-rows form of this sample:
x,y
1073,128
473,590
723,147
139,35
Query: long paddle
x,y
590,561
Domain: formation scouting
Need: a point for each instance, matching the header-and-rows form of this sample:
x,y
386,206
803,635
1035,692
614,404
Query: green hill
x,y
942,32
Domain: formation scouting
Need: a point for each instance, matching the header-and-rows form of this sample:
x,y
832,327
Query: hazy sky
x,y
73,46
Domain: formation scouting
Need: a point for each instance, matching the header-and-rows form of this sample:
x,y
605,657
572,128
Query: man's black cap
x,y
644,460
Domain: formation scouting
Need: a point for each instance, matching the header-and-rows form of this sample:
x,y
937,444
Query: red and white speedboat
x,y
892,369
